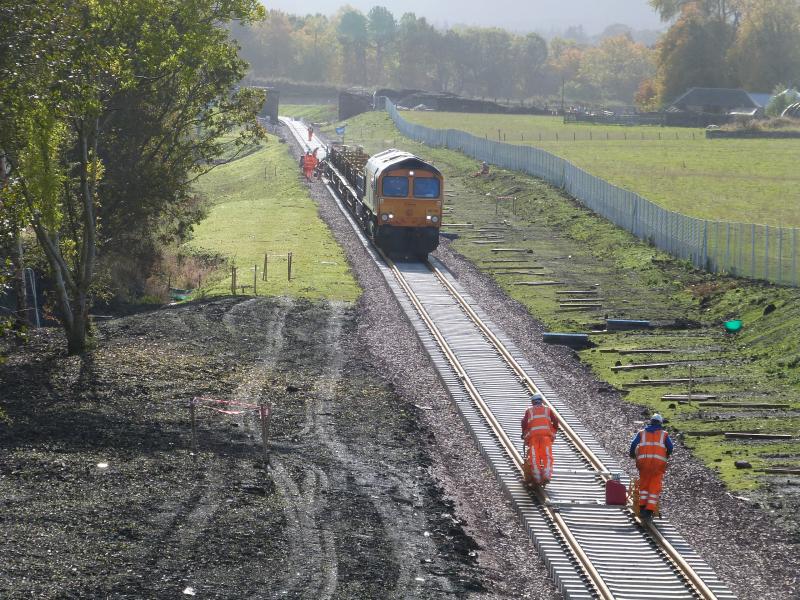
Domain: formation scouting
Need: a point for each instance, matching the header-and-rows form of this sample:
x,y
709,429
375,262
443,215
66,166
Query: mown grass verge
x,y
760,365
739,180
257,205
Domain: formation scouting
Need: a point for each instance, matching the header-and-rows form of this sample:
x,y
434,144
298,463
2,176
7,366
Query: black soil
x,y
350,506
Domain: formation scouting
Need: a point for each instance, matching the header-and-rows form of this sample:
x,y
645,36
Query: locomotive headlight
x,y
391,215
435,219
385,217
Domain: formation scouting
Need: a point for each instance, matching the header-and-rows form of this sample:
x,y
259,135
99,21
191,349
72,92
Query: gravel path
x,y
737,537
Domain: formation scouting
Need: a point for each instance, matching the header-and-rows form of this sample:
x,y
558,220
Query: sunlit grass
x,y
258,206
751,181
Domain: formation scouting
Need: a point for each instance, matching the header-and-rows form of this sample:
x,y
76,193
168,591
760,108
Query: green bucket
x,y
733,325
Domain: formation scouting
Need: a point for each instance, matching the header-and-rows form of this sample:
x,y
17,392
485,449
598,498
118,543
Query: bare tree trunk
x,y
17,257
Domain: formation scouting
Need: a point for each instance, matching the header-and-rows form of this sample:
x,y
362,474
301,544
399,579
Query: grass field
x,y
258,206
751,181
761,365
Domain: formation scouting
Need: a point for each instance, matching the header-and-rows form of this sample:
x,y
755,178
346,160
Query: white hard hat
x,y
657,418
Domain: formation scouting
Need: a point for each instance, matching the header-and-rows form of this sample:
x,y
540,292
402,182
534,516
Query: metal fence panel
x,y
742,249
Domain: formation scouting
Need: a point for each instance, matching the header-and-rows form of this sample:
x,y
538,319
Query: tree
x,y
693,53
616,68
382,29
767,51
721,11
111,91
530,57
416,42
352,34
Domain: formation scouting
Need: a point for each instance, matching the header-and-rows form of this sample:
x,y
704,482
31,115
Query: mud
x,y
348,508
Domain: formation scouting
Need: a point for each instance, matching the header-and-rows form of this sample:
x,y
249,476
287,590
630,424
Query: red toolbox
x,y
616,494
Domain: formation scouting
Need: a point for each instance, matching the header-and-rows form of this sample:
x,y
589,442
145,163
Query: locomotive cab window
x,y
395,186
426,187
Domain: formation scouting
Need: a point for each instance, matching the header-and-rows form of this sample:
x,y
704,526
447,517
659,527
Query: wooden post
x,y
266,413
691,384
192,404
289,266
264,272
233,281
255,280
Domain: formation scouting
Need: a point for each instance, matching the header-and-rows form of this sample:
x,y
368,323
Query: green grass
x,y
751,181
761,364
312,113
257,206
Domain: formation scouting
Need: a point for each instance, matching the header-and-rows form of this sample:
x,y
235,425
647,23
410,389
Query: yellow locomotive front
x,y
404,196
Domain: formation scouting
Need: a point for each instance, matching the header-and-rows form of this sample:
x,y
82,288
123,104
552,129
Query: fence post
x,y
728,248
780,255
289,266
705,244
794,256
233,281
753,250
264,272
740,262
192,404
255,280
766,252
265,409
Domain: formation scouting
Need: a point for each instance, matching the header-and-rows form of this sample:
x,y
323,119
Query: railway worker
x,y
309,164
539,426
651,448
310,133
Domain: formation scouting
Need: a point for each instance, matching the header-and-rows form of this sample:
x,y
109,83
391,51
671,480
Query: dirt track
x,y
351,507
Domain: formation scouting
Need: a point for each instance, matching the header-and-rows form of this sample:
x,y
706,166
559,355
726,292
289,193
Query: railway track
x,y
591,550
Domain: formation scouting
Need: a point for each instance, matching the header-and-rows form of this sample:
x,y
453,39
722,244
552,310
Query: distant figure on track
x,y
310,133
651,448
539,426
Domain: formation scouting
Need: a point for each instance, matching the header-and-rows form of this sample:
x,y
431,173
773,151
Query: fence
x,y
741,249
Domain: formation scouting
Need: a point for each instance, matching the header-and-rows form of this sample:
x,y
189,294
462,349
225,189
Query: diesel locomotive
x,y
395,196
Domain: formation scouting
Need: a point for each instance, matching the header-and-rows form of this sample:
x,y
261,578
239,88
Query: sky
x,y
515,15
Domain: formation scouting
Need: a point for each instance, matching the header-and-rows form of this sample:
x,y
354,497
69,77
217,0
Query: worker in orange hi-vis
x,y
309,164
539,426
310,134
651,448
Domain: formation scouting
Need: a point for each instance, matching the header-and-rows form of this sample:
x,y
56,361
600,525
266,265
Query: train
x,y
396,197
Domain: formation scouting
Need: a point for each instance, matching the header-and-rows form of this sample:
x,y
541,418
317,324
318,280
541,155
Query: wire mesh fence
x,y
741,249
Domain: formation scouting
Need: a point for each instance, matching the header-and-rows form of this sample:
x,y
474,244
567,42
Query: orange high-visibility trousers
x,y
540,458
651,480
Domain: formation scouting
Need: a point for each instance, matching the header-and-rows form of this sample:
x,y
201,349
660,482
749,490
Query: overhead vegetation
x,y
750,44
108,112
353,48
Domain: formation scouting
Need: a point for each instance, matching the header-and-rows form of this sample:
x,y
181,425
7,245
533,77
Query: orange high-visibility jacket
x,y
652,446
539,420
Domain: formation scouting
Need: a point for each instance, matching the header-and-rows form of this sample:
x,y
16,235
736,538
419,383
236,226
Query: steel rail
x,y
597,581
571,546
686,570
524,377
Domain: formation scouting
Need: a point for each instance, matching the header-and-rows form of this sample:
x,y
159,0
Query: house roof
x,y
760,99
722,97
